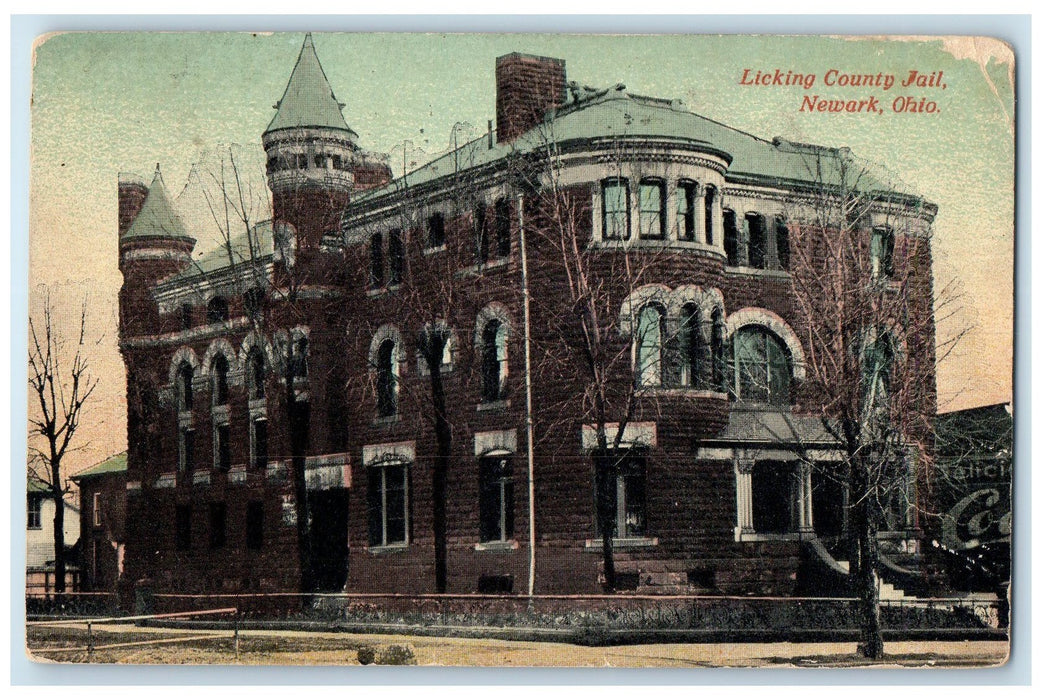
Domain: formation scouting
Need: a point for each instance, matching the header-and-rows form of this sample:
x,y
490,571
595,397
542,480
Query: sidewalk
x,y
331,648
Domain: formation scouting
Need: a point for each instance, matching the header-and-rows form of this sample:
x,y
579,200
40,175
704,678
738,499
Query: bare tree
x,y
265,254
862,285
61,382
617,359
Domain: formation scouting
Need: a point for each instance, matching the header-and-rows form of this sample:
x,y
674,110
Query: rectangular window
x,y
731,237
254,525
34,510
781,233
652,209
396,256
376,261
436,230
502,228
627,497
185,449
481,242
259,444
183,527
96,509
496,498
686,210
710,203
222,449
615,209
758,252
388,496
218,521
882,253
774,497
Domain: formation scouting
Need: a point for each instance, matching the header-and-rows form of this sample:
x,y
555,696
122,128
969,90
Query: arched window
x,y
493,361
387,379
710,197
689,347
762,366
217,310
648,346
184,387
219,380
256,373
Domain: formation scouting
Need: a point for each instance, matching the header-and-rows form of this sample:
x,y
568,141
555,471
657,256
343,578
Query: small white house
x,y
39,539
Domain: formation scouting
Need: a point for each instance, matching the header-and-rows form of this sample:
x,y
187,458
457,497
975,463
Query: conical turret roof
x,y
308,100
157,217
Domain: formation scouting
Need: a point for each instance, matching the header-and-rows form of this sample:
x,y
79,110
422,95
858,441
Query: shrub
x,y
397,655
366,655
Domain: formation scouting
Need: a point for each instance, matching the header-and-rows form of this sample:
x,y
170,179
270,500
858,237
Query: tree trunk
x,y
59,536
298,419
864,564
439,476
604,473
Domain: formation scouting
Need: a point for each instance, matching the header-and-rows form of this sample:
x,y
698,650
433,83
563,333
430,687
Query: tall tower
x,y
153,244
314,161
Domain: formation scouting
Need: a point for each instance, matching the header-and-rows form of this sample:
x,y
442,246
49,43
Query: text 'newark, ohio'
x,y
866,102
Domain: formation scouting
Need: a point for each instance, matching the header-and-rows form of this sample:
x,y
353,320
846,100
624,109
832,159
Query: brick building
x,y
102,519
307,343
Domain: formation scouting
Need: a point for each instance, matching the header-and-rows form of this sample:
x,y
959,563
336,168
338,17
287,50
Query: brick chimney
x,y
527,87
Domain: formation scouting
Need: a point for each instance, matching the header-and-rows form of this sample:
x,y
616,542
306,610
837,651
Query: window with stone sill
x,y
496,498
707,211
774,497
222,448
259,443
388,501
615,209
882,253
436,230
219,381
624,479
183,387
395,257
502,212
185,449
762,368
376,261
493,361
648,346
686,199
257,373
34,511
481,235
387,379
652,209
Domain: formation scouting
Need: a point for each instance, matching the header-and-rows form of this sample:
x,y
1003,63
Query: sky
x,y
105,103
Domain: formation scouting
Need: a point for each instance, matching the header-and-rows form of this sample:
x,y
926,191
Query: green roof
x,y
113,465
235,251
616,113
36,486
308,100
157,217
